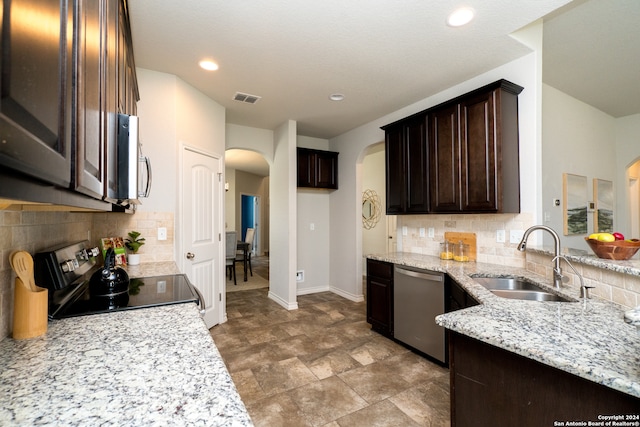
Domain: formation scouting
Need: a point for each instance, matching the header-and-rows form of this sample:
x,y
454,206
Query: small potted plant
x,y
133,243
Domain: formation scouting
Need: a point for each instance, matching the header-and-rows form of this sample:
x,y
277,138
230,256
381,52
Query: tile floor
x,y
321,365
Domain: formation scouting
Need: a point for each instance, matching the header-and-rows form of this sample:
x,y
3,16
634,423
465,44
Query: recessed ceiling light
x,y
336,97
208,65
460,17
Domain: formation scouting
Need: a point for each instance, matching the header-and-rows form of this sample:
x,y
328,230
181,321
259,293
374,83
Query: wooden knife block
x,y
30,311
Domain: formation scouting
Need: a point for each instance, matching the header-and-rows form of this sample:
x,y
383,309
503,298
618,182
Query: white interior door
x,y
202,247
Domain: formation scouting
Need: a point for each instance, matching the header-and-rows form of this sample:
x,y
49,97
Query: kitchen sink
x,y
515,288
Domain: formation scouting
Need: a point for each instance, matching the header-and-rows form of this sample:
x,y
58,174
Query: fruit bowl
x,y
618,250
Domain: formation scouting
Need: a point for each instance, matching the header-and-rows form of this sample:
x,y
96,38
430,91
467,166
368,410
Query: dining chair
x,y
240,255
231,244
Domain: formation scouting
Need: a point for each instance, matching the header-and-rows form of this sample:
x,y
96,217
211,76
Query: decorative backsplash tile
x,y
484,226
35,231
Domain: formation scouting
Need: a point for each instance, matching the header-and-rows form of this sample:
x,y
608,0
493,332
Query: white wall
x,y
313,245
627,152
157,112
577,139
374,240
282,227
346,228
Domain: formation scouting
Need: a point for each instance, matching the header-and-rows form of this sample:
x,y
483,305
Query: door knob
x,y
190,255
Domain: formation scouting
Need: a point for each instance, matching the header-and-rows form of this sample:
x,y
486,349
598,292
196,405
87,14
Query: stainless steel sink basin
x,y
515,288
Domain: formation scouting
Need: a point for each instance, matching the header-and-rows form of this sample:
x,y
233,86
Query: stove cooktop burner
x,y
66,271
143,292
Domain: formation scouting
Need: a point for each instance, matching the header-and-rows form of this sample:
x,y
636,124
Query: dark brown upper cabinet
x,y
317,168
406,166
60,96
35,89
472,155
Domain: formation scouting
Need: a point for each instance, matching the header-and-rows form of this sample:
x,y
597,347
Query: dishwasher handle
x,y
427,276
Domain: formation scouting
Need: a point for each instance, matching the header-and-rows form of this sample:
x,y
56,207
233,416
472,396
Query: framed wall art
x,y
575,198
603,214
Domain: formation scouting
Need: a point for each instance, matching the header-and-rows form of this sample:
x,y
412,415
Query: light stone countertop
x,y
152,366
589,340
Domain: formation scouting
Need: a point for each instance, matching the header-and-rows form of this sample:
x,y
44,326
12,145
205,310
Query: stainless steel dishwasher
x,y
418,297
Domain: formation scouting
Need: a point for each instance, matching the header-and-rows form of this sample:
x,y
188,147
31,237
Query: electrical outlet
x,y
431,232
162,286
422,232
405,230
515,236
300,276
162,233
500,236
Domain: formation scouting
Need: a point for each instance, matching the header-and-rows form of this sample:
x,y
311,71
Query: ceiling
x,y
382,55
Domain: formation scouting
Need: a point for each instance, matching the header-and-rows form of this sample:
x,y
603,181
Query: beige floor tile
x,y
427,404
381,414
284,375
276,411
374,382
321,402
328,363
247,386
321,365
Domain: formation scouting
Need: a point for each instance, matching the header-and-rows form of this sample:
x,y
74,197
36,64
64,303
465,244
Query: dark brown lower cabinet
x,y
380,296
494,387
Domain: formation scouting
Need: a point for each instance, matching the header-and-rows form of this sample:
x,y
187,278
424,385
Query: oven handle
x,y
203,305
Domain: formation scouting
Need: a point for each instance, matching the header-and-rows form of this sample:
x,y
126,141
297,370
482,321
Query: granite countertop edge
x,y
588,339
152,366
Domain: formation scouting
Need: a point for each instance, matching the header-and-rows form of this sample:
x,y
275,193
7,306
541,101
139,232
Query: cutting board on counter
x,y
466,238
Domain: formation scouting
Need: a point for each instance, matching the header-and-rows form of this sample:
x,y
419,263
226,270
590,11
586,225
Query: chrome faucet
x,y
584,289
557,271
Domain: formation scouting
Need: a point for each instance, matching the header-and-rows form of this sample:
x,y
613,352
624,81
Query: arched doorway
x,y
633,194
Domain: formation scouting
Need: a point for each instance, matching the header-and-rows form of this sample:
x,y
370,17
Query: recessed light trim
x,y
460,17
208,65
336,96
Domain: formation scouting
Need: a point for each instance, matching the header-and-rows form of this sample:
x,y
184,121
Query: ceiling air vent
x,y
245,97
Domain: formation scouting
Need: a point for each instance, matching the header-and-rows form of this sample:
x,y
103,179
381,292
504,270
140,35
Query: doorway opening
x,y
633,188
247,207
250,218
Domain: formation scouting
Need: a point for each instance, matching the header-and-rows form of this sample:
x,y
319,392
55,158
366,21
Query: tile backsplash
x,y
485,226
35,231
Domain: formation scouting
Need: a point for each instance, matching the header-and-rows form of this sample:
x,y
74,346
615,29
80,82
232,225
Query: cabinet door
x,y
395,169
326,169
34,76
444,160
479,163
128,95
380,296
111,99
90,84
306,168
417,178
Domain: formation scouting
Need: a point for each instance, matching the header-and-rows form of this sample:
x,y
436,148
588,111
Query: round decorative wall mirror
x,y
370,209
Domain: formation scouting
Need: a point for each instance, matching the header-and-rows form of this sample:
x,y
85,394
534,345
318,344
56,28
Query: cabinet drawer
x,y
381,269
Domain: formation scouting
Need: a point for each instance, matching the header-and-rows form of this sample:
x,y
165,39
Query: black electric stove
x,y
66,271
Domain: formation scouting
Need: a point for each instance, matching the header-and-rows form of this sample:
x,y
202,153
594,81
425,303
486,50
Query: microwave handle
x,y
147,189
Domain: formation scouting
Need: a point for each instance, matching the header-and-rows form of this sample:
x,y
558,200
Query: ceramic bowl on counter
x,y
618,250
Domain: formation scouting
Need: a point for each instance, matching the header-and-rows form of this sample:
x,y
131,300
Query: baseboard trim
x,y
314,290
347,295
283,303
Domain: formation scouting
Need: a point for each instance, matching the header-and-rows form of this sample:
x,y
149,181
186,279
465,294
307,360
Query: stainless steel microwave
x,y
133,169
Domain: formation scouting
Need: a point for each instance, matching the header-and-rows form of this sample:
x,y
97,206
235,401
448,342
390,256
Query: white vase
x,y
133,259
